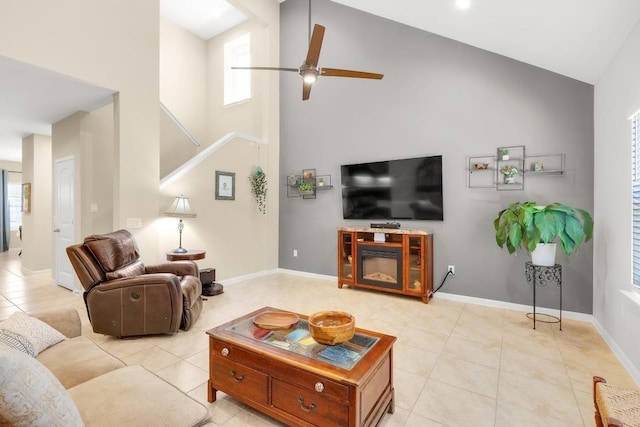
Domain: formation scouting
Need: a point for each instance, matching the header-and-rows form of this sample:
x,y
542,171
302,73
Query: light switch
x,y
94,207
134,222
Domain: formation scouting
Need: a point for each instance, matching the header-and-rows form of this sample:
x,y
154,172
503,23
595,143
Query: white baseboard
x,y
512,306
626,362
306,274
29,272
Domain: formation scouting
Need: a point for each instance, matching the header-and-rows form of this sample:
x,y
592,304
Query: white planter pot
x,y
544,254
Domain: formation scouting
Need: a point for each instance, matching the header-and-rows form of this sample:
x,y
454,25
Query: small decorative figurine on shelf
x,y
510,172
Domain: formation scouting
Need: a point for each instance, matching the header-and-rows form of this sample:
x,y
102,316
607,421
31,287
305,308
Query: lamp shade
x,y
180,208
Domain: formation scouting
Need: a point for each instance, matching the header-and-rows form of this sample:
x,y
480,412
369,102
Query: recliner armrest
x,y
179,268
168,279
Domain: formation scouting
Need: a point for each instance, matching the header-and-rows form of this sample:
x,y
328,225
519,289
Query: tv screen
x,y
393,189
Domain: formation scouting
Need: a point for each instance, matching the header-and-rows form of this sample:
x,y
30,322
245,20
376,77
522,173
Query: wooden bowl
x,y
332,327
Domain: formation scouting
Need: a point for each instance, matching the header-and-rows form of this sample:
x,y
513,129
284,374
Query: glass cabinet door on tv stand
x,y
346,256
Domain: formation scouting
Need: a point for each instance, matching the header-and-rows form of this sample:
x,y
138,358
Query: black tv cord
x,y
443,280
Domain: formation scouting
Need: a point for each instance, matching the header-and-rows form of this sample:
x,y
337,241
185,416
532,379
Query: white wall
x,y
89,139
238,239
183,77
112,44
617,97
37,225
183,91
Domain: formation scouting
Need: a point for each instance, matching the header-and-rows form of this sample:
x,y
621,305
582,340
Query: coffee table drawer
x,y
233,378
308,405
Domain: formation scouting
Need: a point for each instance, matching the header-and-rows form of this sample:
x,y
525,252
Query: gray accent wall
x,y
438,97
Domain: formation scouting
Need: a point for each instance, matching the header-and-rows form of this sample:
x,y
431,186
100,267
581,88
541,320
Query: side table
x,y
186,256
208,289
540,275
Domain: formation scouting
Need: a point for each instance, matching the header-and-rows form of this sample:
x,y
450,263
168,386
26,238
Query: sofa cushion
x,y
30,395
133,396
38,334
77,360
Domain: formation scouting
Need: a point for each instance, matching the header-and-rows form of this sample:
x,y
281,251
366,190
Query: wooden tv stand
x,y
398,261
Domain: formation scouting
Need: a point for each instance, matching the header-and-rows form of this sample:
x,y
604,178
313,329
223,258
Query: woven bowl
x,y
332,327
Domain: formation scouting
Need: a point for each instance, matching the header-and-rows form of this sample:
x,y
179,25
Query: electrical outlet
x,y
295,252
452,269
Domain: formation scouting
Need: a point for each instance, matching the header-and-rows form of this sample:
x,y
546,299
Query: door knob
x,y
56,230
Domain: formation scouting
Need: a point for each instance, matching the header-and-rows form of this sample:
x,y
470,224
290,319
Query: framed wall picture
x,y
225,185
26,197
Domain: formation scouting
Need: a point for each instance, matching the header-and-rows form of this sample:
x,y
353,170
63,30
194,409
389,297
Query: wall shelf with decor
x,y
549,164
307,184
481,172
508,168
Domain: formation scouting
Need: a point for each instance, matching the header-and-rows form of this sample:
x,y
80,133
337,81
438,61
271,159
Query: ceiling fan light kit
x,y
309,69
309,75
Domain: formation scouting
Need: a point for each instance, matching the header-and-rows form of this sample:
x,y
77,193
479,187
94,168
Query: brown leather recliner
x,y
126,298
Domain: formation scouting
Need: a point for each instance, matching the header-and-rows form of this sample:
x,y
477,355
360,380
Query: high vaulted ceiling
x,y
576,38
205,18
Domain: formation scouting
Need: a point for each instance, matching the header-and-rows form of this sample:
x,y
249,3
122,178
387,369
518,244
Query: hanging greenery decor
x,y
259,188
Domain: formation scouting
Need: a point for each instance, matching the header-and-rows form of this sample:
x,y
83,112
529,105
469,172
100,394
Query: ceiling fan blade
x,y
266,68
306,90
314,46
336,72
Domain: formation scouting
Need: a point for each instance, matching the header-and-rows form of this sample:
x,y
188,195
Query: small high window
x,y
237,83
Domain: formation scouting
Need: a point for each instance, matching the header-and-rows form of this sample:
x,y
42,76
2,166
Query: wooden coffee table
x,y
288,376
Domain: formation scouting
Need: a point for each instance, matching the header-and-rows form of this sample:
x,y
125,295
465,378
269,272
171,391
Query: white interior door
x,y
63,221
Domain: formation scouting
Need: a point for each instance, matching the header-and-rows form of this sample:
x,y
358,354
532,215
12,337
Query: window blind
x,y
635,157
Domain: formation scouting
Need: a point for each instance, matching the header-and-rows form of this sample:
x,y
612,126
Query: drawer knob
x,y
309,408
319,387
225,351
237,378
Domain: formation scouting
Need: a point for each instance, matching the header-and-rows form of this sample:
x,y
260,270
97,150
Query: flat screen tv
x,y
393,189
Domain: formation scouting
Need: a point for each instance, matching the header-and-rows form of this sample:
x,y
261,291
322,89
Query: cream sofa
x,y
104,390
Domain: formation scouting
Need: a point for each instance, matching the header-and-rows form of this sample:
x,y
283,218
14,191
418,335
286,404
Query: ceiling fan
x,y
309,69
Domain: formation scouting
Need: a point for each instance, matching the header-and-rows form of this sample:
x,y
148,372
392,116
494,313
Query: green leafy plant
x,y
258,182
504,152
305,187
527,224
509,170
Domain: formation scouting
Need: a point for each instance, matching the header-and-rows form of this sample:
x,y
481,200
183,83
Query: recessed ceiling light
x,y
463,4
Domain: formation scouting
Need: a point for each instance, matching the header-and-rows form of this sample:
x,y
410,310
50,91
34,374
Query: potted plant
x,y
258,182
306,189
537,229
504,153
510,172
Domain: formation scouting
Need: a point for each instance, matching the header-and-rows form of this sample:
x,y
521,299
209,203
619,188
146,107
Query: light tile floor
x,y
455,364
